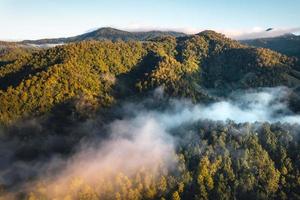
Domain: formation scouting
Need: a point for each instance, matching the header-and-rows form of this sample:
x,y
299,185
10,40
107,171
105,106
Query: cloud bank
x,y
237,34
263,105
262,33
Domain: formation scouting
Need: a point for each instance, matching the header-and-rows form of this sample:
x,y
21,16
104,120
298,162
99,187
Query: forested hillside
x,y
95,73
148,119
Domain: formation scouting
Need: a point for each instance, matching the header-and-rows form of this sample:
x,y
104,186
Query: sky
x,y
35,19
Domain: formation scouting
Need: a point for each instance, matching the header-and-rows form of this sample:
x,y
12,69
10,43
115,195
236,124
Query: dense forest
x,y
216,161
61,107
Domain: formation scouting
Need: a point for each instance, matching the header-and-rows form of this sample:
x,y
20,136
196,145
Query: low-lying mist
x,y
135,145
260,105
141,140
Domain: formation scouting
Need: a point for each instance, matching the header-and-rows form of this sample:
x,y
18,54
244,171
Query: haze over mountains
x,y
202,117
108,33
286,44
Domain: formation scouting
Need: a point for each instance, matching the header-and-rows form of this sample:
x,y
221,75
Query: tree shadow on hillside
x,y
3,63
15,78
125,86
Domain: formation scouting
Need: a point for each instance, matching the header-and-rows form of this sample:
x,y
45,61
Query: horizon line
x,y
255,33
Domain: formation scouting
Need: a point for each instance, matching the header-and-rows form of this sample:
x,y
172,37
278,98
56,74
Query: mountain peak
x,y
211,34
108,29
109,33
269,29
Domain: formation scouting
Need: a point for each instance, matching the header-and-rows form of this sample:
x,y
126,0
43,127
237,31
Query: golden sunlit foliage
x,y
33,82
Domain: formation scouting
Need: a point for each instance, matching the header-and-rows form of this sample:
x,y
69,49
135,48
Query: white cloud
x,y
238,34
258,32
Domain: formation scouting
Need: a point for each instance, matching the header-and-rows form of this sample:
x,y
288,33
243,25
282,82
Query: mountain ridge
x,y
108,33
288,44
99,73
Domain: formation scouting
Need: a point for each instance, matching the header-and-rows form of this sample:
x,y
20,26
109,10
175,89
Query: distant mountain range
x,y
108,33
288,44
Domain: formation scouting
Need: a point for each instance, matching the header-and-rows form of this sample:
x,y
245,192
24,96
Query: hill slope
x,y
95,74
